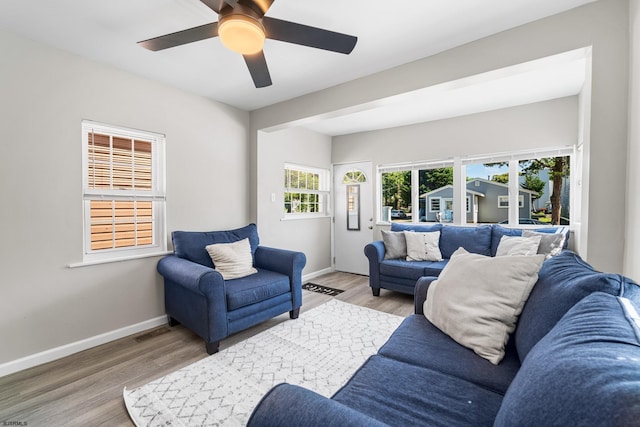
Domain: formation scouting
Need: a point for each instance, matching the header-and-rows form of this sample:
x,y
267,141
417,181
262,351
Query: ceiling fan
x,y
242,27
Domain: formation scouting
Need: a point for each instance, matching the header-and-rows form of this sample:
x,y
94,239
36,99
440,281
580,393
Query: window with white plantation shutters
x,y
123,192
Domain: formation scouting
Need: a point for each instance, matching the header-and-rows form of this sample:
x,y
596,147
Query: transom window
x,y
123,192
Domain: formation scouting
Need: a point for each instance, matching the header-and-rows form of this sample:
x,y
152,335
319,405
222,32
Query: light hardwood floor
x,y
85,389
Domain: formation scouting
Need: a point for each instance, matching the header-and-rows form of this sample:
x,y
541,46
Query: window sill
x,y
299,217
110,260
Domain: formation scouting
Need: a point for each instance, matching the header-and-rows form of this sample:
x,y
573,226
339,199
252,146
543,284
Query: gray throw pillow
x,y
395,245
477,299
550,244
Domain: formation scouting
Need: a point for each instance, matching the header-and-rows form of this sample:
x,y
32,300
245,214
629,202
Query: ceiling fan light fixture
x,y
241,33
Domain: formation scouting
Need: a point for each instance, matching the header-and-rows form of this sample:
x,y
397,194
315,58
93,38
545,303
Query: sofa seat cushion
x,y
411,269
563,281
253,289
418,342
401,394
586,371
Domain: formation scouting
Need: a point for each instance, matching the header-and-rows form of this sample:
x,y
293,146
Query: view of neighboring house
x,y
487,202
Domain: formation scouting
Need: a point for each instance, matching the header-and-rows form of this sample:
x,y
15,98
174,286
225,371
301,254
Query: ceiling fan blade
x,y
292,32
257,65
181,37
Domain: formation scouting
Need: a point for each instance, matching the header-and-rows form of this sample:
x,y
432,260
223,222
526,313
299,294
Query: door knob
x,y
371,227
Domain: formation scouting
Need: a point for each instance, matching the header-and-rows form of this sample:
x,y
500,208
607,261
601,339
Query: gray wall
x,y
45,95
544,124
603,25
632,226
311,236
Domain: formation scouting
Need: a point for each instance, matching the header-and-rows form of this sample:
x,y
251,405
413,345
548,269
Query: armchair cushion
x,y
255,288
191,244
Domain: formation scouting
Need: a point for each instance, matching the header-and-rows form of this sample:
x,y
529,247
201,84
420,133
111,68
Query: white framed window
x,y
528,171
306,191
123,192
503,201
434,204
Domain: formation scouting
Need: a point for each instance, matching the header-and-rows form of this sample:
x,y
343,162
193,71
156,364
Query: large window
x,y
514,188
123,192
415,192
306,191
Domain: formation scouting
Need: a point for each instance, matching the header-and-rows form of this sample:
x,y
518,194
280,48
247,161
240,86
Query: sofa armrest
x,y
188,274
420,293
288,405
375,253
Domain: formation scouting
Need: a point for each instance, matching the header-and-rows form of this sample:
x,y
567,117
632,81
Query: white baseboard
x,y
78,346
310,276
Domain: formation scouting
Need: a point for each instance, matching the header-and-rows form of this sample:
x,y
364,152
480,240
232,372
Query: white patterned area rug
x,y
319,351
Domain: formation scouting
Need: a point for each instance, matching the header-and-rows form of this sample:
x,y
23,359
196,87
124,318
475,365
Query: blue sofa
x,y
401,275
197,296
574,359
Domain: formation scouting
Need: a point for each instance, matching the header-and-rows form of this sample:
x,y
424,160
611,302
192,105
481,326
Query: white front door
x,y
353,216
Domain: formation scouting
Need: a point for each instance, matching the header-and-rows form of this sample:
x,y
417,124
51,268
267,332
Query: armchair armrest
x,y
288,405
420,293
280,260
286,262
191,275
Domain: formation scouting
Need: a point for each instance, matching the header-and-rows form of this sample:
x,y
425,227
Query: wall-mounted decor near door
x,y
353,207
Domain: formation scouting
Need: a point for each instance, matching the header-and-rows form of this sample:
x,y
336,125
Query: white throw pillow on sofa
x,y
477,299
516,245
423,246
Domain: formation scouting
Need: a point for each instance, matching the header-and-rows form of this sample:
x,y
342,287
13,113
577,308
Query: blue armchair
x,y
198,297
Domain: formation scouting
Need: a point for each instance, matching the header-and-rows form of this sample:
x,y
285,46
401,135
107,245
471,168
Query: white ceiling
x,y
389,34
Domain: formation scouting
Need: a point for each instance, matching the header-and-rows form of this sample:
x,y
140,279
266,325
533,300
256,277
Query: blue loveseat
x,y
197,296
573,359
401,275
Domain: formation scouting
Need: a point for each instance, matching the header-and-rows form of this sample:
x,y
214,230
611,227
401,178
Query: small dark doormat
x,y
322,289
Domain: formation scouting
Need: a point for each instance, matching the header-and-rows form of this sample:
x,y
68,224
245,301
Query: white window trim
x,y
324,192
431,199
502,199
156,196
459,164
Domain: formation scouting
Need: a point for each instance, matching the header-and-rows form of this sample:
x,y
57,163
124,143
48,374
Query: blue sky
x,y
481,171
